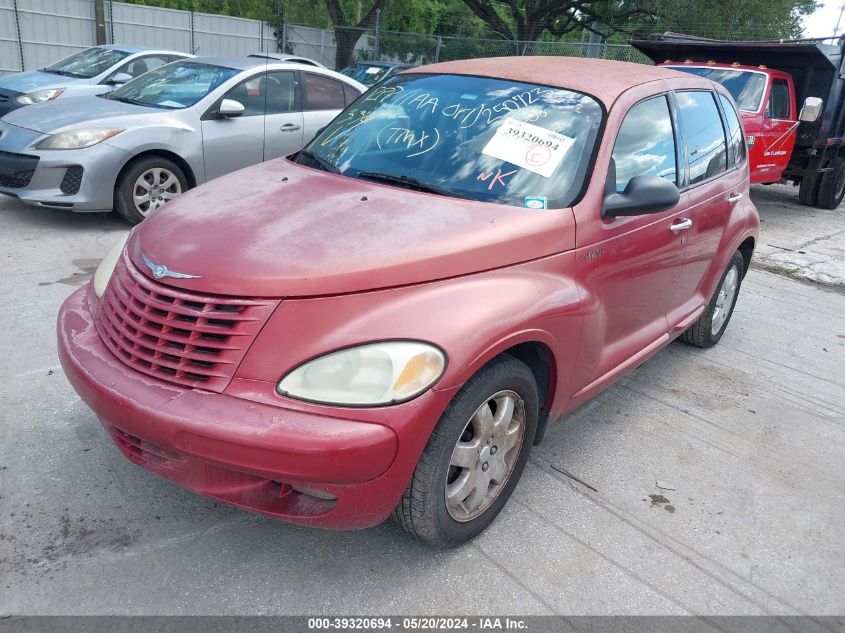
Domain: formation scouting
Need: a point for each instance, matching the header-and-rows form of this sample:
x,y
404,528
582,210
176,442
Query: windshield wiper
x,y
64,73
322,162
410,183
125,100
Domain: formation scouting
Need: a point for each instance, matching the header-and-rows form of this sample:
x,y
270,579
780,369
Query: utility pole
x,y
378,33
100,20
839,19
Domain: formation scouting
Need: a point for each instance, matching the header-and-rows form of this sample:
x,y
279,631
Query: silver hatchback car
x,y
166,131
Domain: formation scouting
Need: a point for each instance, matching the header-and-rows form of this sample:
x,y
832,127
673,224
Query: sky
x,y
821,22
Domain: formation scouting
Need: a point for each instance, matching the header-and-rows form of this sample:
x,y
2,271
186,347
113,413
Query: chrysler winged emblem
x,y
160,270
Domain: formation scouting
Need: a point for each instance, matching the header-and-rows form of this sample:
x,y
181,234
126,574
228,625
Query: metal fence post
x,y
284,36
437,49
111,22
193,46
18,27
378,34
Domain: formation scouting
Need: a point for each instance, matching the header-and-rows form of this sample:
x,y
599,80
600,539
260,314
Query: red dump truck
x,y
791,98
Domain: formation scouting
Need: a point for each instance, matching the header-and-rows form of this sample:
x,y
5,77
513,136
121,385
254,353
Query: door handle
x,y
289,127
735,197
683,225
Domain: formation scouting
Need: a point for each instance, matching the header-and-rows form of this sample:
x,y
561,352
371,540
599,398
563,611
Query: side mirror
x,y
120,78
811,110
642,195
230,108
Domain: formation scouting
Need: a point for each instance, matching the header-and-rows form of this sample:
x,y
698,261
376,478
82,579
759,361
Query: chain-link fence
x,y
34,33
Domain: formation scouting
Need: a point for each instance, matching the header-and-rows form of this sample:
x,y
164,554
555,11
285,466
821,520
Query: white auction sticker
x,y
372,70
530,146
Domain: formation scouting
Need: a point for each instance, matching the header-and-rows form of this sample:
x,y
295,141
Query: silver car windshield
x,y
484,139
173,86
88,63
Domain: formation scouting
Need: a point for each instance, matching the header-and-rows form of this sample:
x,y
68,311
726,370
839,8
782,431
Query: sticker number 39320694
x,y
529,146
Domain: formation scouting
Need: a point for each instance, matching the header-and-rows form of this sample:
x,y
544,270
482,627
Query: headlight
x,y
106,267
76,139
39,96
373,374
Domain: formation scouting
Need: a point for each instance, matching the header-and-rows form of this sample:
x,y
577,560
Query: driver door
x,y
231,143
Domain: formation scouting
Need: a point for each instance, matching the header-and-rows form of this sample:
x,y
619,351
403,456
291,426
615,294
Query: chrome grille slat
x,y
174,335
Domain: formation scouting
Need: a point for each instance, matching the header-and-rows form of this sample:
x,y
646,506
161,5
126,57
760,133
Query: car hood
x,y
53,116
34,80
279,229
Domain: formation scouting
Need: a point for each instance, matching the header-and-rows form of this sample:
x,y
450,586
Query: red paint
x,y
345,261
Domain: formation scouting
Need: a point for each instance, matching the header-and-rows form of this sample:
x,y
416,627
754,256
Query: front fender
x,y
472,318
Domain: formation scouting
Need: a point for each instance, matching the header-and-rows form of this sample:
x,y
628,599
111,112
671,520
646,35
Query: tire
x,y
808,190
147,176
710,326
832,185
504,384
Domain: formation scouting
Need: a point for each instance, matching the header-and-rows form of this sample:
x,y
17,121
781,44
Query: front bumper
x,y
78,180
241,452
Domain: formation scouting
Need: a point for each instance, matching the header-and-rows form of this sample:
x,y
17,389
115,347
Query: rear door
x,y
716,180
322,99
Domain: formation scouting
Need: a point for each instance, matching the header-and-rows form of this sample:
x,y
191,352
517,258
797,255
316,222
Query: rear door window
x,y
646,143
701,125
736,140
322,93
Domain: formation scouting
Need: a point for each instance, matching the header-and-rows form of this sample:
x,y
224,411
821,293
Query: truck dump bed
x,y
816,70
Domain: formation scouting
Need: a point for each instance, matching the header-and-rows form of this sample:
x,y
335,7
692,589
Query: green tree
x,y
348,26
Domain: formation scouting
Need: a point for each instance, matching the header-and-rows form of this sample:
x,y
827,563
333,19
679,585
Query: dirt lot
x,y
747,440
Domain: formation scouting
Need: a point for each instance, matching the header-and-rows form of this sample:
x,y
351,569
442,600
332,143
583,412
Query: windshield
x,y
88,63
367,74
485,139
746,87
173,86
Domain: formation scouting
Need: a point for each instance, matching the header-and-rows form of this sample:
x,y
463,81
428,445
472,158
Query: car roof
x,y
136,49
601,78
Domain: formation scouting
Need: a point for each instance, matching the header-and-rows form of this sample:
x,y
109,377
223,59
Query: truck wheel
x,y
832,185
710,326
147,184
808,190
474,457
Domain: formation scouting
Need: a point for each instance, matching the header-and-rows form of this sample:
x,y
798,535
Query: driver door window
x,y
645,145
141,65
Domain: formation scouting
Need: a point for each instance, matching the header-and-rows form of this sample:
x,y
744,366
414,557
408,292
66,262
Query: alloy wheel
x,y
725,300
484,456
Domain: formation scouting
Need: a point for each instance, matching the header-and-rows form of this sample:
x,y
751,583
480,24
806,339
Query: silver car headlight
x,y
373,374
76,139
107,266
39,96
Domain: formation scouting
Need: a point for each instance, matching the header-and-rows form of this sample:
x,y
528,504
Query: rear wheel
x,y
710,326
474,457
147,184
832,185
808,190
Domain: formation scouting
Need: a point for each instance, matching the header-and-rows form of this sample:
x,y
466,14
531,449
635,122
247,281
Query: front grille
x,y
175,335
72,180
16,170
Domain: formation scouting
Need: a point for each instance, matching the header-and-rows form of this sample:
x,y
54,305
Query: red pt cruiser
x,y
384,323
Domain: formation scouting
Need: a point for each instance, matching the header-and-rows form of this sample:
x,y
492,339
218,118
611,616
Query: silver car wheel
x,y
153,188
485,455
725,300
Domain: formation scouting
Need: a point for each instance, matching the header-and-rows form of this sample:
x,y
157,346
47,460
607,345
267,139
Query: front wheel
x,y
710,326
474,457
147,184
